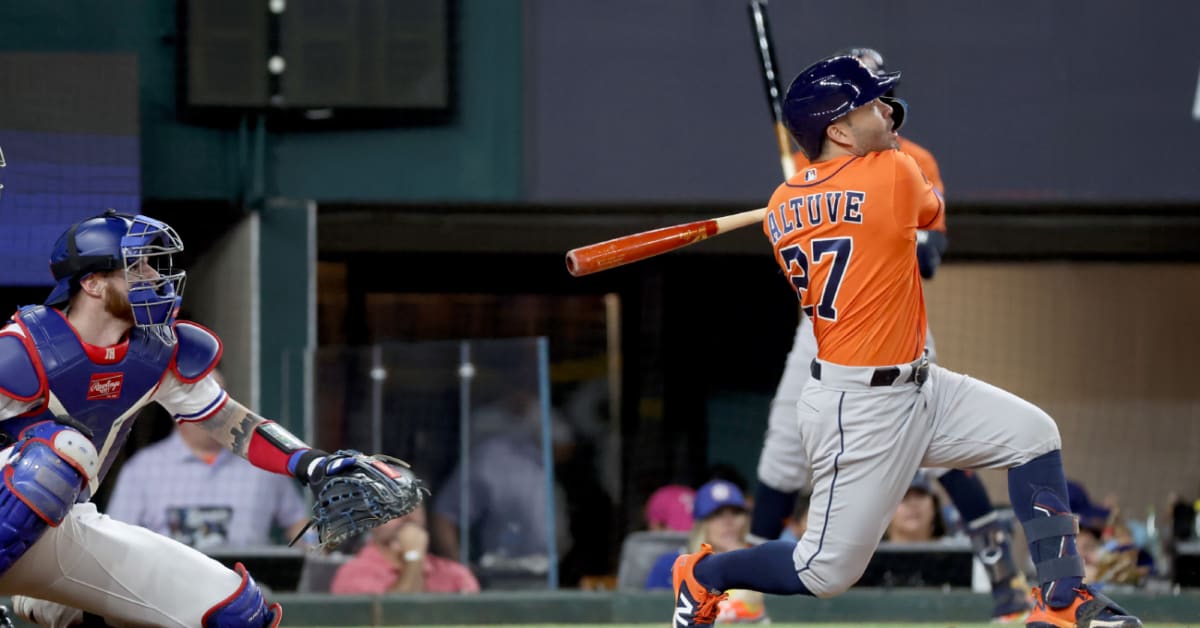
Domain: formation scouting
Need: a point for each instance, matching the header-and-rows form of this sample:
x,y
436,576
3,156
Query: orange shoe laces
x,y
1081,595
707,611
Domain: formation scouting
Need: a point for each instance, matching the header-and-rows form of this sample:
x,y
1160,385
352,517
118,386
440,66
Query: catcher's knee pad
x,y
245,608
43,477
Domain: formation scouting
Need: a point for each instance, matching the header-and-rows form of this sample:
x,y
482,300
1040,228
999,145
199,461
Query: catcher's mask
x,y
142,248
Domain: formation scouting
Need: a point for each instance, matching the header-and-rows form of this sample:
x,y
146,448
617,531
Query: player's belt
x,y
887,375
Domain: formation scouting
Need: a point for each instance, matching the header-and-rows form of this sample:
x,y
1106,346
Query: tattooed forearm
x,y
241,434
233,425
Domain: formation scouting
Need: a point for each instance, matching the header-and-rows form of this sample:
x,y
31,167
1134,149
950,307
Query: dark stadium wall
x,y
1022,102
474,157
582,102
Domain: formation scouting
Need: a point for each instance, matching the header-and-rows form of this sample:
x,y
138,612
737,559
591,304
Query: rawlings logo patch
x,y
105,386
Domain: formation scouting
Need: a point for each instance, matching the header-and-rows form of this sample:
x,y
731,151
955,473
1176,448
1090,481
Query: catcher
x,y
73,372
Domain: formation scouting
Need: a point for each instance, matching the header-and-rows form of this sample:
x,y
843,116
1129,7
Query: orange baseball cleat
x,y
695,604
1090,609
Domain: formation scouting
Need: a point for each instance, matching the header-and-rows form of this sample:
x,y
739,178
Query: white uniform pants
x,y
782,464
125,573
865,443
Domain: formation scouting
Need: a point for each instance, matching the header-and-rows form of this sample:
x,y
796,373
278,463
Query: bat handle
x,y
788,164
728,223
786,161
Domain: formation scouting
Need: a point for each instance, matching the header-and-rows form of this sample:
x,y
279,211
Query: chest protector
x,y
103,397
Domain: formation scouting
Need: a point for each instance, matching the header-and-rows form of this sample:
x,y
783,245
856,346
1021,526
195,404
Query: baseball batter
x,y
783,466
875,409
73,373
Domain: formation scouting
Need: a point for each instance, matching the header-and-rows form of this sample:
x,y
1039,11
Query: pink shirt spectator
x,y
371,572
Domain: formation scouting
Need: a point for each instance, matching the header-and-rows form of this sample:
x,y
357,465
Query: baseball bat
x,y
635,247
770,73
639,246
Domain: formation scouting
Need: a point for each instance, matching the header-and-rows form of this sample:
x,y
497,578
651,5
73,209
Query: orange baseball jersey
x,y
924,159
844,232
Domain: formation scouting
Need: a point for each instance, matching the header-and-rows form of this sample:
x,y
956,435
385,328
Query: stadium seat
x,y
317,573
640,550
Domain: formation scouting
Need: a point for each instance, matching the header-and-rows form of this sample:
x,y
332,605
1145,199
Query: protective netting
x,y
1106,349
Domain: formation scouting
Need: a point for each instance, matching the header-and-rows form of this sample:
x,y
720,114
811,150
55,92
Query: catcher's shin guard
x,y
244,608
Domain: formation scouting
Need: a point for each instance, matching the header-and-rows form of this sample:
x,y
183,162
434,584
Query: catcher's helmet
x,y
138,245
830,89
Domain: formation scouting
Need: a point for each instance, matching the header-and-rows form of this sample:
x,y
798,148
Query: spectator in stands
x,y
1087,543
1093,529
670,508
1121,560
1113,555
1090,514
919,515
505,484
191,488
722,520
396,559
730,473
587,486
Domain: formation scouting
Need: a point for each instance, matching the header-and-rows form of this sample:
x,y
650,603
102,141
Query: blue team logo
x,y
810,174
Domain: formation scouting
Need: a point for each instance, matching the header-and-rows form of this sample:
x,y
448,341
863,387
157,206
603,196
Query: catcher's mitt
x,y
354,492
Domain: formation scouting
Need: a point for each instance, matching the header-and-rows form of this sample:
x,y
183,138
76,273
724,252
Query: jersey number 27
x,y
798,262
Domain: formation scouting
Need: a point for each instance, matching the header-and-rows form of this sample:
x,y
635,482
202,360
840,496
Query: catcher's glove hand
x,y
353,493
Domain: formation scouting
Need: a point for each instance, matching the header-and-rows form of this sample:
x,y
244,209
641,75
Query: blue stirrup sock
x,y
1038,490
768,568
967,492
771,508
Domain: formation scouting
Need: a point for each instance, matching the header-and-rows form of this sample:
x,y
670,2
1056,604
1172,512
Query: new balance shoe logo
x,y
683,612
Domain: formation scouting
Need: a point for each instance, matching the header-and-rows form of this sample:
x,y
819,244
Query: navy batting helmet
x,y
830,89
140,246
869,56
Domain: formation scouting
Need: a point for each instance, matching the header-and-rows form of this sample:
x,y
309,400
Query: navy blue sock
x,y
1038,489
771,508
967,492
767,568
